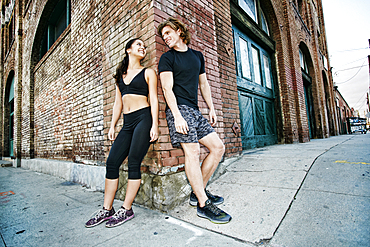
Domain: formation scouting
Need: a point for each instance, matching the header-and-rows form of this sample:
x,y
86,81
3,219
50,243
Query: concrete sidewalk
x,y
41,210
259,188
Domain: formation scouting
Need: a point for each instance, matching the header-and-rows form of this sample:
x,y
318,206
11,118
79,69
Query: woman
x,y
134,85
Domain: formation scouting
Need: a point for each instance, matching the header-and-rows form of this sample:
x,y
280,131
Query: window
x,y
253,62
58,22
246,70
266,65
264,23
256,65
11,117
303,62
251,7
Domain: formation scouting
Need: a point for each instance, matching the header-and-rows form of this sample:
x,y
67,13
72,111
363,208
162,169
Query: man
x,y
181,71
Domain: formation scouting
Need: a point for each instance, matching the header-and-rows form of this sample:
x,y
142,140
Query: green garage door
x,y
256,92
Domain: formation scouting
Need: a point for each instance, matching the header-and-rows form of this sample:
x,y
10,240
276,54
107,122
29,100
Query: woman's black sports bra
x,y
138,85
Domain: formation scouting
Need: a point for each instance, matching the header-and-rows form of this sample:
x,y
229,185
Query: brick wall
x,y
121,21
226,60
199,16
68,96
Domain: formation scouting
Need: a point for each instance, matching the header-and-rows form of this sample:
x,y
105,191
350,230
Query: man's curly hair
x,y
176,24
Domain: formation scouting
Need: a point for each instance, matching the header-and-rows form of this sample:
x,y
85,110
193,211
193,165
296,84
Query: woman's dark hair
x,y
123,65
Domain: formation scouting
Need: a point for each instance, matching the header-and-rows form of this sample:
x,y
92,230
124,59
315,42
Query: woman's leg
x,y
117,155
133,186
111,186
139,147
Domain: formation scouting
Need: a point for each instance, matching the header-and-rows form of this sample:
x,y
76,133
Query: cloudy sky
x,y
347,25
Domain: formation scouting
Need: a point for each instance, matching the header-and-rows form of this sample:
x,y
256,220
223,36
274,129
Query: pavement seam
x,y
300,186
337,193
2,239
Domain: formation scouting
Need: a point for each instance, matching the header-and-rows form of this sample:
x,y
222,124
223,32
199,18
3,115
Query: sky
x,y
347,24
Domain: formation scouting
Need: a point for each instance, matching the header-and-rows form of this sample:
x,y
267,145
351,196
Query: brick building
x,y
266,61
343,112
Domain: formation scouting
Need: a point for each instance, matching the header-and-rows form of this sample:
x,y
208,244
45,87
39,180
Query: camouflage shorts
x,y
199,127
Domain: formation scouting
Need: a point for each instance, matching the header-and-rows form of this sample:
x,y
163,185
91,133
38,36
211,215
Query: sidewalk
x,y
259,188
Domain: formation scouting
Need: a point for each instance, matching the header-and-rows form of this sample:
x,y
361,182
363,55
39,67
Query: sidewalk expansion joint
x,y
336,193
304,179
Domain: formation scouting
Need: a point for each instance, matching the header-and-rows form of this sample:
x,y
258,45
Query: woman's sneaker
x,y
213,213
100,216
120,217
217,200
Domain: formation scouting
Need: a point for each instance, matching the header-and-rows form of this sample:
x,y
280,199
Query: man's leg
x,y
193,171
216,151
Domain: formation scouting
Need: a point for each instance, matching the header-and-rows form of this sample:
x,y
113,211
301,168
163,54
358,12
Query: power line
x,y
352,76
354,49
351,68
355,61
359,100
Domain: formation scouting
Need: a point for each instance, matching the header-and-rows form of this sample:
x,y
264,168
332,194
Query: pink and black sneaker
x,y
100,216
120,217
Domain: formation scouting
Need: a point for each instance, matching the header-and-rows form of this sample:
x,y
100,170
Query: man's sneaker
x,y
120,217
213,213
100,216
217,200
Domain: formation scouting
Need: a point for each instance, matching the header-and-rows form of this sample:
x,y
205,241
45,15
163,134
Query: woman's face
x,y
137,49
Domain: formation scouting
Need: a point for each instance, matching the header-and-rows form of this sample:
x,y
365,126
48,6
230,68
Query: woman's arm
x,y
117,109
153,99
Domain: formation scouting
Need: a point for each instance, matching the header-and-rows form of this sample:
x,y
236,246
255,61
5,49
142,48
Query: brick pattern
x,y
121,21
230,102
199,16
53,116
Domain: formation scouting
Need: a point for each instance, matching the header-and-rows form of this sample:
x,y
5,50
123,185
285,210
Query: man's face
x,y
170,36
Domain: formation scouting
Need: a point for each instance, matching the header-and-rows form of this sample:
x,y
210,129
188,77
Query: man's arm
x,y
167,85
206,93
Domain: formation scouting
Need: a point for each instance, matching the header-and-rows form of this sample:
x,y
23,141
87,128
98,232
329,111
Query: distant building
x,y
343,112
266,61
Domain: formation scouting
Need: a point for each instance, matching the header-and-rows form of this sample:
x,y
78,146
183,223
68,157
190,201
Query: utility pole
x,y
368,92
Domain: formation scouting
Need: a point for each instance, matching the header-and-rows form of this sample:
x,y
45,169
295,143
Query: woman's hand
x,y
111,134
154,133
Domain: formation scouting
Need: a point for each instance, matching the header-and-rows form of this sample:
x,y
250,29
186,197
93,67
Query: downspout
x,y
19,82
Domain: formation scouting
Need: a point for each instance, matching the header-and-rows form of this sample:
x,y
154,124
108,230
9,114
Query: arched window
x,y
11,116
58,22
251,7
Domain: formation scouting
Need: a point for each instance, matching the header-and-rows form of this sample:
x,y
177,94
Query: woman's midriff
x,y
132,102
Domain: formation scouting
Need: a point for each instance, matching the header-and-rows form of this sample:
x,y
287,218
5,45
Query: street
x,y
304,194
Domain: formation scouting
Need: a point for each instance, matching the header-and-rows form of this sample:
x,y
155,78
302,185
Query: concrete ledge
x,y
160,192
5,163
90,176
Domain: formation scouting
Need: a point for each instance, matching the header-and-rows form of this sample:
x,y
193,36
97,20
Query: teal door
x,y
309,106
255,91
11,118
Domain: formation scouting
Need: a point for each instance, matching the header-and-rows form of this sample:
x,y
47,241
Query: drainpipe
x,y
19,91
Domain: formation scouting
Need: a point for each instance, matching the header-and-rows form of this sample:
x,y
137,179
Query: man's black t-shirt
x,y
186,68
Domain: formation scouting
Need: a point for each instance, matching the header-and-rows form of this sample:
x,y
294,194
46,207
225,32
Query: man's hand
x,y
181,125
212,117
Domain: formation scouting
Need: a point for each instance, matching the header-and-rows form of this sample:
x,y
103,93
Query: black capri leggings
x,y
133,141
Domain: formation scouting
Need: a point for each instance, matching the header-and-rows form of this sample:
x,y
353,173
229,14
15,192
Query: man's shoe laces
x,y
214,209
